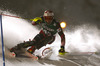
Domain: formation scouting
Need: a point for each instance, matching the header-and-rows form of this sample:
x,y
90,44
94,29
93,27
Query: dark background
x,y
74,12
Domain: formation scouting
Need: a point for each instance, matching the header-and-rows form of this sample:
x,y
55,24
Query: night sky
x,y
74,12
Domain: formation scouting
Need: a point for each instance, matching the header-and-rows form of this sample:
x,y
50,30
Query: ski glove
x,y
37,20
62,51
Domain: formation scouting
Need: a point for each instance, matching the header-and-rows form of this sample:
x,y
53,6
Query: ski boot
x,y
14,51
31,50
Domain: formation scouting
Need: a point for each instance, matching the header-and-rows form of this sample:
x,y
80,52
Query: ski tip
x,y
32,56
35,57
12,54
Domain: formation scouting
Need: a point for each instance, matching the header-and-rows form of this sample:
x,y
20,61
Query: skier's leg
x,y
22,45
36,39
44,42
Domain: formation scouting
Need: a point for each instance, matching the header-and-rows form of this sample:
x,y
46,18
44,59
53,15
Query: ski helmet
x,y
48,16
48,13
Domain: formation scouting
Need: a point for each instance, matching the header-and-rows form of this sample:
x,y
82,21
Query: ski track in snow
x,y
83,39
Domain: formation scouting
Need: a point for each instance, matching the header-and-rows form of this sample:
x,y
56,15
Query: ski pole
x,y
2,40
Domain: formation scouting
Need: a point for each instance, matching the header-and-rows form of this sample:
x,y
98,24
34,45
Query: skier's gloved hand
x,y
37,20
62,50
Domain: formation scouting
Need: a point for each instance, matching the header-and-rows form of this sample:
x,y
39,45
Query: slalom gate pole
x,y
16,17
2,41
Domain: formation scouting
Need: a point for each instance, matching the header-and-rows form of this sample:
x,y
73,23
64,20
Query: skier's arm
x,y
62,37
36,20
62,48
60,32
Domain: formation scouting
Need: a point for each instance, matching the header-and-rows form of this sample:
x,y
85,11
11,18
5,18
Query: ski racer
x,y
47,34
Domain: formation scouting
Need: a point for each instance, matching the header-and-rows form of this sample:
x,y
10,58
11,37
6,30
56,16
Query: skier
x,y
47,34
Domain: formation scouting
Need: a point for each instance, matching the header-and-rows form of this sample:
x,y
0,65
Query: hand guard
x,y
62,51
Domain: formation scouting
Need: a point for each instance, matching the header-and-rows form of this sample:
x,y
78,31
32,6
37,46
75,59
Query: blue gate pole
x,y
2,41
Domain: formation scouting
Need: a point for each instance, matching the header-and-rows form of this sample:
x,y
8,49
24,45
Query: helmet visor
x,y
48,19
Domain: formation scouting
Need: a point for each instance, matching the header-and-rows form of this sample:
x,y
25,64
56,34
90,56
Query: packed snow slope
x,y
84,38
